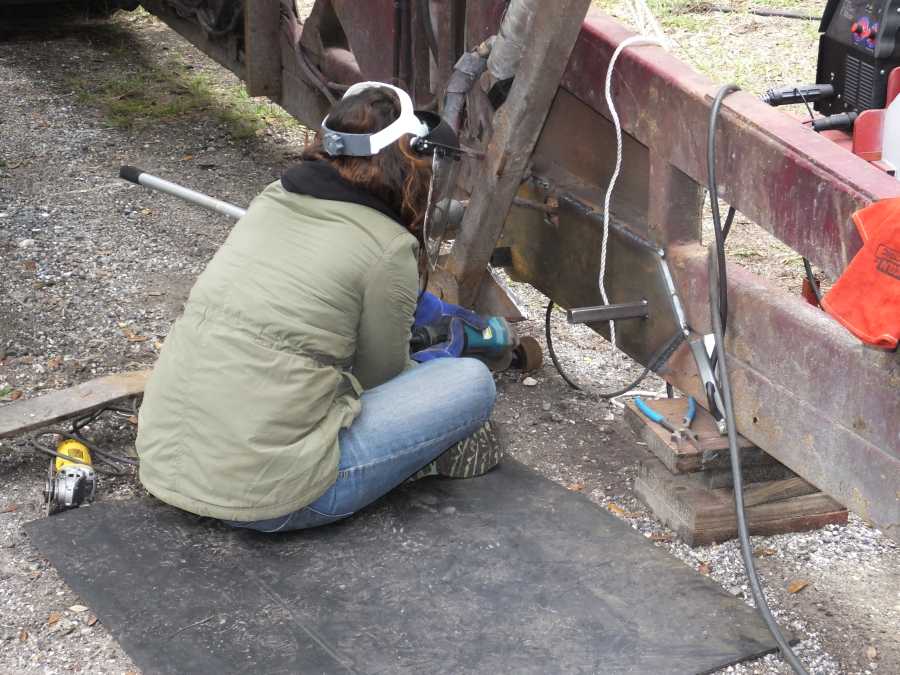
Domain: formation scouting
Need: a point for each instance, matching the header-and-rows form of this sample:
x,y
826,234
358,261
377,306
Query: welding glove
x,y
450,348
432,311
866,297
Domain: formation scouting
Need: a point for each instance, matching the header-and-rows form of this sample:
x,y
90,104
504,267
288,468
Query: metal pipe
x,y
614,312
140,177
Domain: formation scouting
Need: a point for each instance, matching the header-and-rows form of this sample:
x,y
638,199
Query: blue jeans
x,y
405,423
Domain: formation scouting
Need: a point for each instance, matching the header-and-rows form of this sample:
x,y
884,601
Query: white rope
x,y
645,21
627,42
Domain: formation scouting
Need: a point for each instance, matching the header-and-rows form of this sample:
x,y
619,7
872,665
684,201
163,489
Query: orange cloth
x,y
866,298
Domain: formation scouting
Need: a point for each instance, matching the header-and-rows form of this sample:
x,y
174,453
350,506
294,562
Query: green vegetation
x,y
753,51
134,92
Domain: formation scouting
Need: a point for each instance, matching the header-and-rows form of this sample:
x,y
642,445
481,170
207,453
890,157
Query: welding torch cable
x,y
634,40
718,291
660,356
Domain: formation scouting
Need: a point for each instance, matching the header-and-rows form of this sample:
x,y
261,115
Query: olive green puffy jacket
x,y
308,302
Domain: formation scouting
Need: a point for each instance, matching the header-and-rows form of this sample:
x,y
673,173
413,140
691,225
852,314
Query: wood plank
x,y
686,458
82,399
262,56
701,516
517,125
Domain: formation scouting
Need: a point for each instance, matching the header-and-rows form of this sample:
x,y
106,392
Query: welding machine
x,y
858,49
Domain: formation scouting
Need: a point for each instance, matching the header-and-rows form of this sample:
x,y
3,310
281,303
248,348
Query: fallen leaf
x,y
78,609
612,507
146,212
575,487
132,419
158,344
187,158
764,552
660,536
90,620
138,338
23,635
871,653
797,585
54,363
9,508
53,618
29,265
15,394
704,568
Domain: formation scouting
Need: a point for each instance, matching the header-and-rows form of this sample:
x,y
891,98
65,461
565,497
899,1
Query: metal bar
x,y
616,312
134,175
517,125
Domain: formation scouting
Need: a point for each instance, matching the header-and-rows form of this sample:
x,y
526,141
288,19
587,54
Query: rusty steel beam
x,y
805,390
796,184
516,127
225,50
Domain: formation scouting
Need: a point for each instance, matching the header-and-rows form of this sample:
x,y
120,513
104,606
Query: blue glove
x,y
451,348
432,311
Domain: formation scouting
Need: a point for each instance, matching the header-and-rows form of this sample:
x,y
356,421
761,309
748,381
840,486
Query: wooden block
x,y
687,458
82,399
701,516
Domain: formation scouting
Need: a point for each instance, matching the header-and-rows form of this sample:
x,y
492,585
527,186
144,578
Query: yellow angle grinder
x,y
72,480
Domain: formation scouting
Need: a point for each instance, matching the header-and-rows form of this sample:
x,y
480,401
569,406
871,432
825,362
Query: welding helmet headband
x,y
424,126
338,143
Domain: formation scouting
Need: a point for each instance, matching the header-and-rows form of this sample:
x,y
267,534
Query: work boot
x,y
470,457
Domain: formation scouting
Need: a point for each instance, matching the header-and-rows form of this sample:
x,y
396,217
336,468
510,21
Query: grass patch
x,y
738,47
136,93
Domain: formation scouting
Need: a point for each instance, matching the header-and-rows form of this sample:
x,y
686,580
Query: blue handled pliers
x,y
679,434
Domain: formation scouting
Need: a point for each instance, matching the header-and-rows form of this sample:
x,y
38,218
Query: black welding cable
x,y
32,440
810,277
659,356
743,532
430,37
712,186
718,309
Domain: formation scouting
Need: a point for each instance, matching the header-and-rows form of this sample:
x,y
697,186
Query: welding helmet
x,y
426,128
431,136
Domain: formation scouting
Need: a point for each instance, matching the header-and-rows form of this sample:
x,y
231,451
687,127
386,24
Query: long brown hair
x,y
396,175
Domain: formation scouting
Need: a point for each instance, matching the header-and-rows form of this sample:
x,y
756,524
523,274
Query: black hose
x,y
718,309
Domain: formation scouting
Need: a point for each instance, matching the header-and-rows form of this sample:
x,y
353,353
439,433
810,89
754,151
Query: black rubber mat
x,y
508,573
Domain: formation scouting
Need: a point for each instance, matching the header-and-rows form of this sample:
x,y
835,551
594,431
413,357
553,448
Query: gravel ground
x,y
95,270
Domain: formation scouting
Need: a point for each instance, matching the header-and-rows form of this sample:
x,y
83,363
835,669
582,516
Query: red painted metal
x,y
867,135
784,177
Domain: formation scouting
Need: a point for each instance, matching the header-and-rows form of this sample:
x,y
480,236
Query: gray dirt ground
x,y
89,266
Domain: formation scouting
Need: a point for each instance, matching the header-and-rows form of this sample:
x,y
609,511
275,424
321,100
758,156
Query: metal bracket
x,y
612,312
